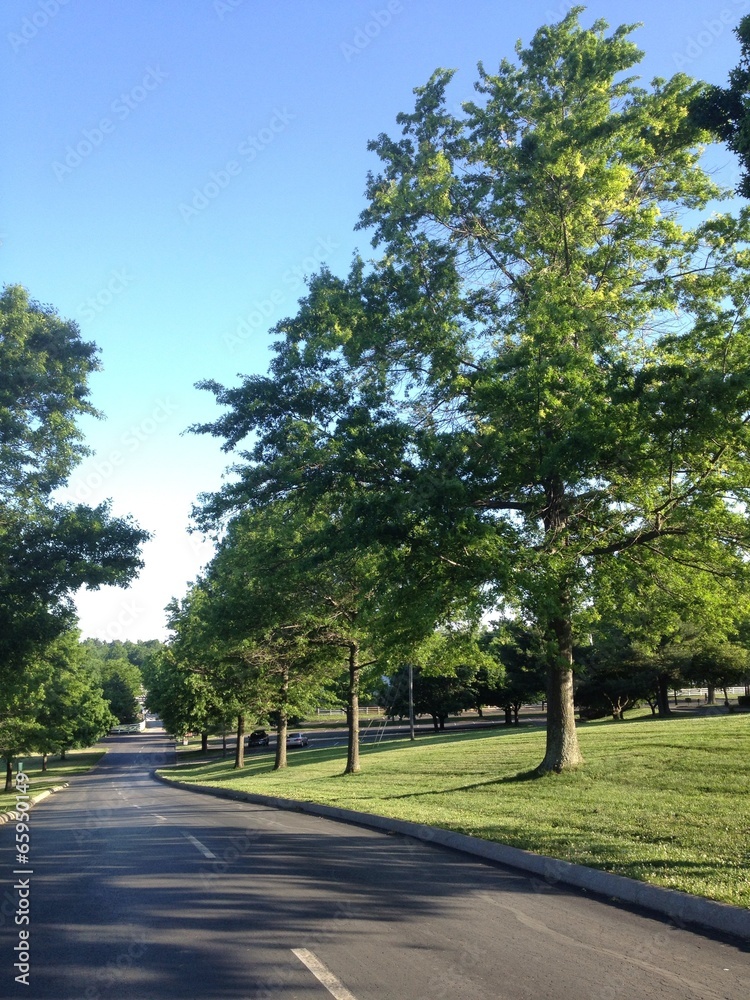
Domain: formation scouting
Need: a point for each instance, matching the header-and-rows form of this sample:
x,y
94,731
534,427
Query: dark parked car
x,y
258,738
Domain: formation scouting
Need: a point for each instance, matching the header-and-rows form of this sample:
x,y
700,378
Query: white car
x,y
297,740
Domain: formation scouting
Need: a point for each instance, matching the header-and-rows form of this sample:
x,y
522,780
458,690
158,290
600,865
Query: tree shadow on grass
x,y
512,779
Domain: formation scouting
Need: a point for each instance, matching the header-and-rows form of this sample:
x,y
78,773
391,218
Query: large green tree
x,y
578,340
179,691
47,549
519,675
21,697
549,367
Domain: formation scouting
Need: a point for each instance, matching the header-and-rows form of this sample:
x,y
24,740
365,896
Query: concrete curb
x,y
10,817
680,907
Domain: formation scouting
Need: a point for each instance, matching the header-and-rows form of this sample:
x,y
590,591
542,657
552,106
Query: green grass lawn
x,y
664,801
58,771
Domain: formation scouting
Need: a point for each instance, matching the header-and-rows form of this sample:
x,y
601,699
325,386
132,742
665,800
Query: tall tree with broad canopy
x,y
590,387
180,693
47,549
549,366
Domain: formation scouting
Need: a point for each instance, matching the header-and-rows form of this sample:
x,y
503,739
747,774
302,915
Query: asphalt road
x,y
137,890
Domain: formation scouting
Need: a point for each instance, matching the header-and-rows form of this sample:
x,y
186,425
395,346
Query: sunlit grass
x,y
58,771
664,801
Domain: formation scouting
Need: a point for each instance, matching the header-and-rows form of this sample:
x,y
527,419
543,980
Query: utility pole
x,y
411,702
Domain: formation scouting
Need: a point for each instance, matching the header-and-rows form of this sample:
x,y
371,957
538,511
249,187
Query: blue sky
x,y
173,169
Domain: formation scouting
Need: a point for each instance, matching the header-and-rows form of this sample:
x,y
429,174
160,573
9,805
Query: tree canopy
x,y
547,369
48,549
724,110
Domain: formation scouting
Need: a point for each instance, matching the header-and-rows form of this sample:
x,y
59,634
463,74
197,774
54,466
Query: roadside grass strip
x,y
662,801
58,771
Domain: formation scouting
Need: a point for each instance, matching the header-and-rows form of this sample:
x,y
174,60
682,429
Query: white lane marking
x,y
323,974
201,847
160,817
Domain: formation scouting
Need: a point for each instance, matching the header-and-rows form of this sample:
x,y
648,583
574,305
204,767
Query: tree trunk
x,y
662,695
8,774
508,714
44,762
62,753
711,694
516,710
352,710
224,743
239,757
562,751
204,742
281,729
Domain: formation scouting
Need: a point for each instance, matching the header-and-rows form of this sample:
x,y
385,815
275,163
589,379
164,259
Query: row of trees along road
x,y
48,549
536,399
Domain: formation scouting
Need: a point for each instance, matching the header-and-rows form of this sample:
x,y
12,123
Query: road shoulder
x,y
680,907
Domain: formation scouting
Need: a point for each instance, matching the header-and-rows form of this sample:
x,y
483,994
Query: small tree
x,y
614,676
719,665
518,652
74,712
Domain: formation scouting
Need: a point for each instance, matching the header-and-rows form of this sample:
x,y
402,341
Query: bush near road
x,y
663,801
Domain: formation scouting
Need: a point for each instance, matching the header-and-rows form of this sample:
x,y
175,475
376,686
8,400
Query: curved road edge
x,y
680,907
10,816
